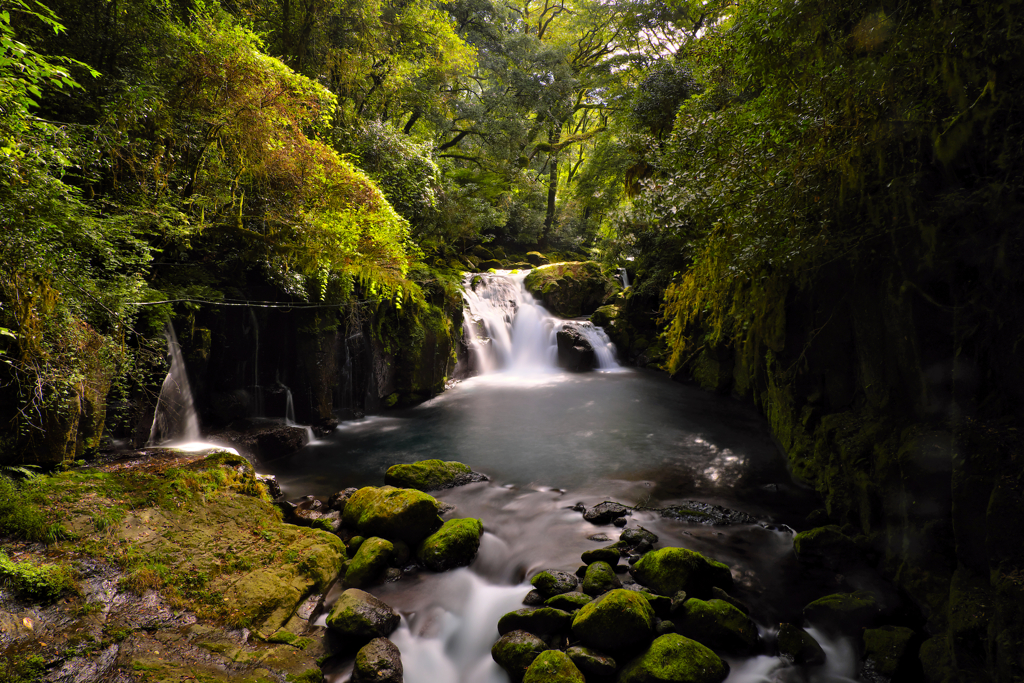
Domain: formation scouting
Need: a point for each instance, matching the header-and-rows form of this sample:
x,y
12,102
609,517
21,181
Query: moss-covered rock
x,y
591,662
569,602
718,625
554,582
427,475
515,651
827,546
661,604
887,648
670,570
453,545
672,658
392,513
379,661
536,258
609,554
553,666
543,621
571,289
361,617
847,612
600,577
369,562
618,620
605,316
799,645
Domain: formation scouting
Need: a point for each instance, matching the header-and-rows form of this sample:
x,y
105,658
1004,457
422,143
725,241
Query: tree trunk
x,y
549,220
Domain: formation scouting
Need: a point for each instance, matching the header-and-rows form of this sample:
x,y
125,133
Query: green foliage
x,y
22,514
44,583
15,668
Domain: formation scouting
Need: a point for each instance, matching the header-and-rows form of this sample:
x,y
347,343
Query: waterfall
x,y
175,417
624,276
506,329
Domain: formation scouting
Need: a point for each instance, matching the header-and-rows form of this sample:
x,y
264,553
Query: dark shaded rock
x,y
535,258
574,351
827,546
675,659
515,651
888,649
431,475
718,625
632,538
553,582
606,512
337,501
720,594
535,599
799,646
269,482
661,604
265,441
379,661
664,626
618,620
609,555
843,612
553,666
600,538
361,617
706,513
600,578
591,662
487,264
543,621
568,602
620,521
570,290
670,570
453,545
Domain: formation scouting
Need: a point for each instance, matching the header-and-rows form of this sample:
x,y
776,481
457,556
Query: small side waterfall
x,y
506,329
175,414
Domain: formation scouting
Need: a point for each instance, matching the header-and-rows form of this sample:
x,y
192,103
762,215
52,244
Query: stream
x,y
548,440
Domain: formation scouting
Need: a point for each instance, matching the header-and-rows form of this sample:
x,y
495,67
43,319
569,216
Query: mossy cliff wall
x,y
901,407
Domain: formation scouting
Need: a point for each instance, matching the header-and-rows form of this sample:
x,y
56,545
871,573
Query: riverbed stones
x,y
392,513
369,562
554,582
606,512
455,544
360,616
799,646
431,475
670,570
718,625
569,602
553,666
591,662
827,546
600,578
609,554
673,658
379,661
845,612
543,621
632,538
337,501
515,651
618,620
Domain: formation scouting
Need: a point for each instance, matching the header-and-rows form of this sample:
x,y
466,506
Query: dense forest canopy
x,y
351,153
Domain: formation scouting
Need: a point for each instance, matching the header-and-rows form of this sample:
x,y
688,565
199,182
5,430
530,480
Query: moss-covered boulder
x,y
827,546
453,545
571,289
553,666
515,651
591,662
846,612
718,625
487,264
392,513
379,661
543,621
799,645
670,570
673,658
568,602
600,578
370,561
887,648
535,258
428,475
554,582
605,316
609,554
618,620
359,616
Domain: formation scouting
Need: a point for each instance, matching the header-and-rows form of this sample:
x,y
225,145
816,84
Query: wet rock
x,y
455,544
337,501
827,546
369,562
591,662
265,441
361,617
543,621
568,602
606,315
675,659
431,475
609,555
353,545
379,661
553,666
843,612
670,570
402,553
392,574
535,599
620,522
606,512
600,578
720,594
699,512
799,646
618,620
632,538
553,582
570,290
270,483
888,650
600,538
515,651
661,604
663,626
392,513
574,350
535,258
718,625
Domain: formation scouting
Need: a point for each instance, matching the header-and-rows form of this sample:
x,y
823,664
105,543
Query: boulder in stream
x,y
337,501
543,621
572,289
515,651
606,512
600,578
453,545
568,602
618,620
370,561
591,662
379,661
718,625
360,616
554,582
799,646
827,546
670,570
553,666
843,612
673,658
392,513
575,352
431,475
609,554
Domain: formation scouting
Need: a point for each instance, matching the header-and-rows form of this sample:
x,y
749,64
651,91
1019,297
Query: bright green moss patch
x,y
42,582
426,475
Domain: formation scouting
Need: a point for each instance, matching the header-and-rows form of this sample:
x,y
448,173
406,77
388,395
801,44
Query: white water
x,y
174,418
507,330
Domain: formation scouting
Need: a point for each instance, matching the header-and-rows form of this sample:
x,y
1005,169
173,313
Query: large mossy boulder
x,y
379,661
800,646
543,621
718,625
515,651
673,658
845,612
453,545
392,513
570,290
618,620
553,666
600,578
552,582
670,570
359,616
535,258
370,561
827,546
429,475
568,602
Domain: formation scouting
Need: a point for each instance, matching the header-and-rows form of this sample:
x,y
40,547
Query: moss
x,y
886,647
600,577
38,582
675,659
799,645
515,651
553,582
360,616
717,624
609,554
828,546
670,570
569,602
369,562
392,513
308,676
544,621
453,545
843,611
617,620
553,666
571,289
426,475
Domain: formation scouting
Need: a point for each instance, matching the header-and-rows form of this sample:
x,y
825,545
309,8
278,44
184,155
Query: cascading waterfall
x,y
507,329
175,416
